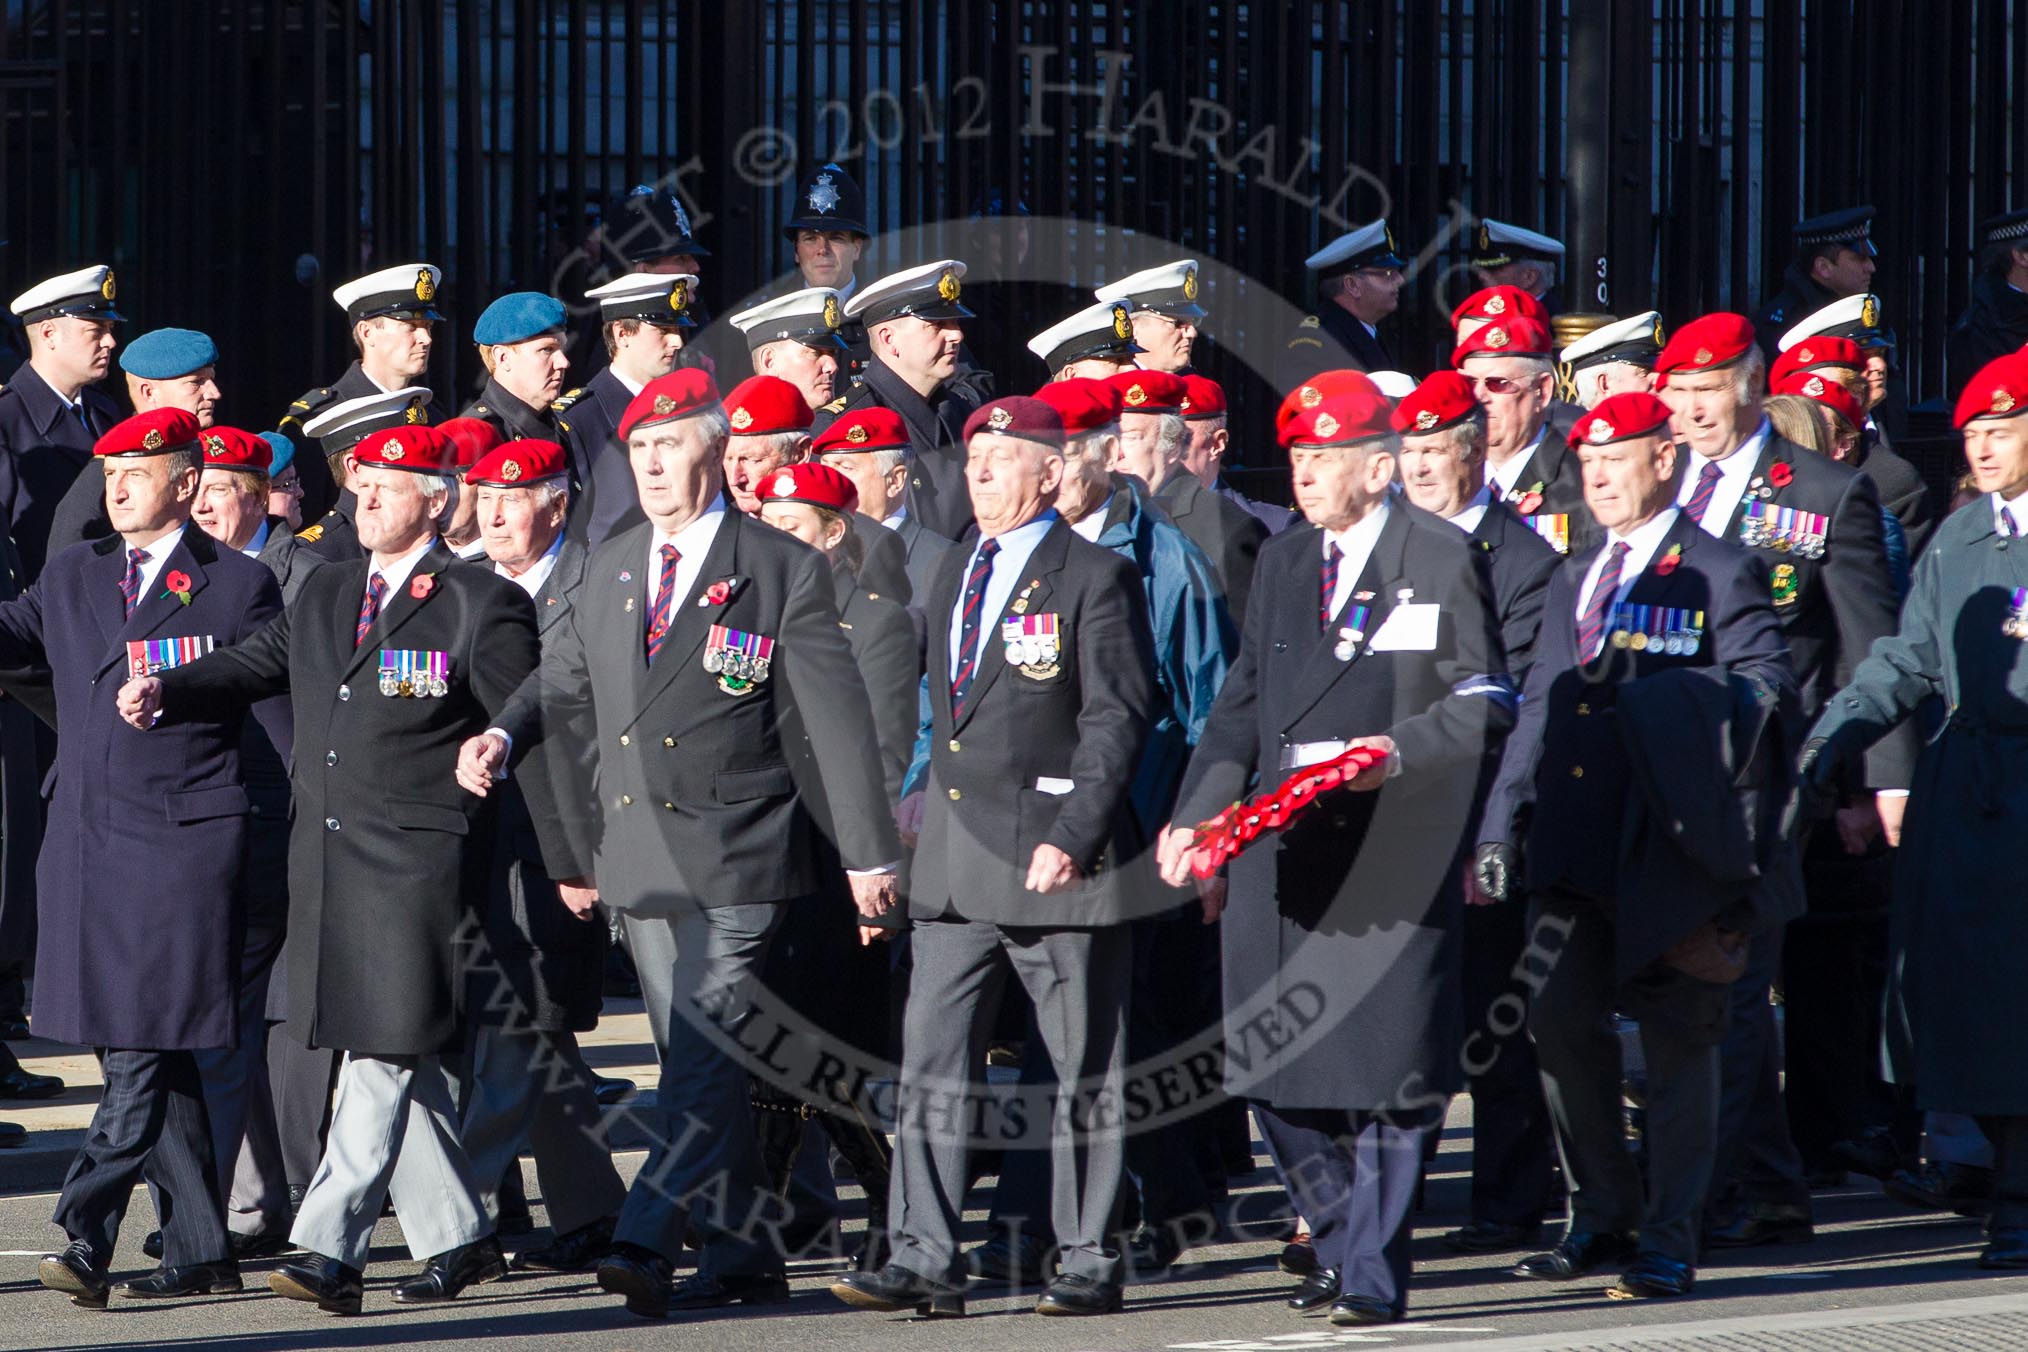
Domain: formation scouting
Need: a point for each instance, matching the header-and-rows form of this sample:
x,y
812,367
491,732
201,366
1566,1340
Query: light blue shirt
x,y
1008,566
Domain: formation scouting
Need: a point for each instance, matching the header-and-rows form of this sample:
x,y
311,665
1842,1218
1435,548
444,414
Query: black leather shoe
x,y
12,1136
1348,1310
1580,1252
334,1287
1653,1277
2006,1249
896,1288
1071,1294
1491,1237
578,1251
997,1261
14,1029
447,1274
1153,1250
151,1245
199,1279
1963,1188
608,1092
22,1084
1315,1292
1872,1153
77,1274
1759,1223
1299,1256
641,1275
709,1291
244,1247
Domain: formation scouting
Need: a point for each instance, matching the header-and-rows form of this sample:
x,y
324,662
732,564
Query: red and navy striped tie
x,y
968,625
1328,587
1591,626
1700,496
665,601
130,585
369,608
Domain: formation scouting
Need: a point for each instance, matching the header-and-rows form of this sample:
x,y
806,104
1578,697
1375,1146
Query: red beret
x,y
678,394
1620,417
1825,391
1445,398
156,432
1813,352
760,405
1149,391
1706,343
863,429
1203,397
1017,415
230,448
1521,337
817,485
1333,408
515,463
1999,390
472,437
1084,404
415,446
1500,302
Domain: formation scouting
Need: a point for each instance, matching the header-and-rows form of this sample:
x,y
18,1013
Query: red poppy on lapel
x,y
1667,563
1529,504
1780,474
178,584
717,594
422,585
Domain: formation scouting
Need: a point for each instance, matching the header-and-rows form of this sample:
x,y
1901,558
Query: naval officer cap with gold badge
x,y
1504,253
1613,358
810,316
1096,341
1855,317
929,292
405,291
658,298
1169,290
85,294
340,427
1368,247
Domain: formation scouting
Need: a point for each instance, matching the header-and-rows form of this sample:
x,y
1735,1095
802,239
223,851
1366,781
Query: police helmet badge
x,y
823,195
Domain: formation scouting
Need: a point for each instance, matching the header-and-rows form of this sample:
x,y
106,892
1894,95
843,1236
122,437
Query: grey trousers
x,y
1078,980
1756,1153
1682,1021
394,1132
534,1089
697,972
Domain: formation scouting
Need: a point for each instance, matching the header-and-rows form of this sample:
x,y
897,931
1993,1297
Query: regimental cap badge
x,y
1309,396
1184,407
214,443
151,440
1496,337
1425,420
510,470
741,419
1497,305
1701,357
1869,312
425,285
999,419
664,405
856,433
392,449
1814,386
1190,283
823,194
1804,356
947,285
785,484
832,317
1122,327
106,287
2003,402
1136,396
1326,425
1602,432
1485,238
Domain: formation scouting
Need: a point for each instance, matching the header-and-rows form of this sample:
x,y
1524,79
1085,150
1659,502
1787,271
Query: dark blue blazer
x,y
138,880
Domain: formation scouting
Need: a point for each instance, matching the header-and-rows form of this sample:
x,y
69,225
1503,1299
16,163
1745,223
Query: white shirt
x,y
1506,478
1092,524
157,553
1008,566
1468,519
692,543
2016,507
1735,471
1357,546
894,522
395,572
258,543
538,571
1641,546
629,386
475,548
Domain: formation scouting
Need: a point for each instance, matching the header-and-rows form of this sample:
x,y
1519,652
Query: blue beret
x,y
164,354
516,317
284,449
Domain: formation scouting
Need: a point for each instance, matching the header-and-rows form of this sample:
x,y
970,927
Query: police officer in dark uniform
x,y
391,314
645,319
520,341
49,414
1358,285
337,428
644,230
1996,321
828,233
1834,258
911,320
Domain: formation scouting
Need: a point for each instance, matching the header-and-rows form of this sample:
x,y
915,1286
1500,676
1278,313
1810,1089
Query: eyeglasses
x,y
1494,384
1171,320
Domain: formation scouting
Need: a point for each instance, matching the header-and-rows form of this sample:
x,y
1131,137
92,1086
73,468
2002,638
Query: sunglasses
x,y
1494,384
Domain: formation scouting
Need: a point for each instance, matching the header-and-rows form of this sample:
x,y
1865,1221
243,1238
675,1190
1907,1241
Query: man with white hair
x,y
1614,358
644,320
869,446
1527,466
392,661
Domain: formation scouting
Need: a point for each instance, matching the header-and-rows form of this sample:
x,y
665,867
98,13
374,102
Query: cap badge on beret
x,y
1136,395
1496,337
1121,328
1869,313
1184,407
831,316
999,419
106,287
785,484
510,470
1190,283
1602,431
1702,356
1326,425
1805,356
425,285
855,434
664,405
393,450
1497,305
741,419
947,285
2003,402
1425,420
152,441
215,444
1814,386
1309,396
